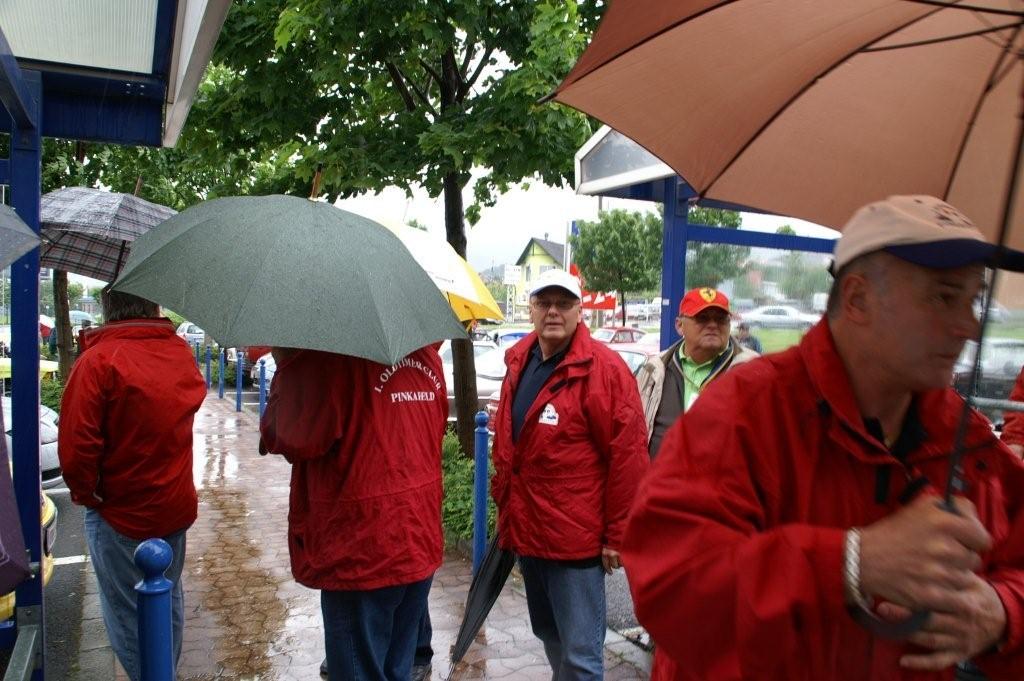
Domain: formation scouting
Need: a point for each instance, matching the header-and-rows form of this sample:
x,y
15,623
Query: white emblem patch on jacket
x,y
549,415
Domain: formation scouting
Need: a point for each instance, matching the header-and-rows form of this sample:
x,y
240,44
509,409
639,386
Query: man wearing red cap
x,y
671,382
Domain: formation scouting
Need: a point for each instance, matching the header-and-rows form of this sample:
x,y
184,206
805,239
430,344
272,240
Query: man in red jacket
x,y
125,447
364,520
1013,421
570,446
799,497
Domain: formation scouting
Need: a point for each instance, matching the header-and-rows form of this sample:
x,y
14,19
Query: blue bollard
x,y
153,597
263,386
220,374
480,457
209,373
238,380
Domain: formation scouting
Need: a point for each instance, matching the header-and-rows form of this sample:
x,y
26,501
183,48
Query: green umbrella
x,y
286,271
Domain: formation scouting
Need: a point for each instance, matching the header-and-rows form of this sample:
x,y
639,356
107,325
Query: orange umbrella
x,y
813,108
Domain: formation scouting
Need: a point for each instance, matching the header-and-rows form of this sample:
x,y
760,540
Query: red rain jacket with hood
x,y
125,433
734,550
564,489
364,441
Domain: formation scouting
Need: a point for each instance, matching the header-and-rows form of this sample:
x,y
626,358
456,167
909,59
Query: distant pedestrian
x,y
747,339
125,447
569,451
364,520
670,382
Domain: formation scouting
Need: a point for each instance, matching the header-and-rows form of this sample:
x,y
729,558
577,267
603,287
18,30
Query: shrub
x,y
51,389
457,508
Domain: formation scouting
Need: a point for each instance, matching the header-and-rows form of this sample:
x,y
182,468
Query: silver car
x,y
487,357
49,462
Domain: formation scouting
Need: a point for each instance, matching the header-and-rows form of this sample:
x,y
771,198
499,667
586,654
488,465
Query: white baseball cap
x,y
922,230
559,278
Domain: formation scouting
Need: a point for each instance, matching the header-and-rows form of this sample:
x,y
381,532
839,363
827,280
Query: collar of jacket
x,y
722,362
152,327
577,361
938,410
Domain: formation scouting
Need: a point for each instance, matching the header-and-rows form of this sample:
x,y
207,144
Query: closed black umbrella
x,y
487,584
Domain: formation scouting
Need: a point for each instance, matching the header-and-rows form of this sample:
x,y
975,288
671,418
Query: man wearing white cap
x,y
800,495
570,447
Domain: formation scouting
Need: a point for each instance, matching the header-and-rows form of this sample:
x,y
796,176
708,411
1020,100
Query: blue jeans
x,y
567,613
424,651
372,635
112,554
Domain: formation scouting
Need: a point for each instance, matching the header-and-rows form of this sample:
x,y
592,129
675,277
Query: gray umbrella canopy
x,y
285,271
89,231
16,238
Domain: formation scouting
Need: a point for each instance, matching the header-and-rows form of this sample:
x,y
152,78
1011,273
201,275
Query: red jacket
x,y
364,441
1013,421
125,435
734,549
564,489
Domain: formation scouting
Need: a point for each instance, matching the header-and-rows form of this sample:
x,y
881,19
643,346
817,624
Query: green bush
x,y
175,318
457,508
51,389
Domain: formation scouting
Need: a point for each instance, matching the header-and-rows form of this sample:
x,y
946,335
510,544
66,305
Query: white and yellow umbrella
x,y
456,279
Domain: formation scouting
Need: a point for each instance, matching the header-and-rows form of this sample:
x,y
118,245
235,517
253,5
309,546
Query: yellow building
x,y
539,256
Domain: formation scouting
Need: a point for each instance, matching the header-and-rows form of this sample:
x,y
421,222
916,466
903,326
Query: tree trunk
x,y
622,297
464,369
62,321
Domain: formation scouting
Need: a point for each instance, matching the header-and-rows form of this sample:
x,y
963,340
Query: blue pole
x,y
153,596
480,491
25,173
673,264
209,374
220,374
239,356
263,386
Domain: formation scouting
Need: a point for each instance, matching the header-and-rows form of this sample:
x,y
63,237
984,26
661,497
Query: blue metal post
x,y
153,597
26,168
238,380
480,491
209,373
263,386
673,263
220,374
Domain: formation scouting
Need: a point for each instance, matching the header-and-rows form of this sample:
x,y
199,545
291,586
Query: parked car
x,y
252,354
486,357
509,337
778,317
48,519
49,463
618,334
1001,362
269,369
191,333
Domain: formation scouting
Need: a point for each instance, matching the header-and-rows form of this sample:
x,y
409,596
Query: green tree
x,y
619,252
75,293
711,264
437,94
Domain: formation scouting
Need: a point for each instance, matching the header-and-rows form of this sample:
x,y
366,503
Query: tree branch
x,y
423,97
466,85
430,71
399,81
470,51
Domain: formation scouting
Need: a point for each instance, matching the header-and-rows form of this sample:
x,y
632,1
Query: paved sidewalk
x,y
247,619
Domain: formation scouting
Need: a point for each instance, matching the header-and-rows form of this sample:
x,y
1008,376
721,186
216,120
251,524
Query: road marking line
x,y
70,560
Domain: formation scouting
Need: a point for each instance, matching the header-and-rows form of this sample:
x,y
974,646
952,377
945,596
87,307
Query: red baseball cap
x,y
699,299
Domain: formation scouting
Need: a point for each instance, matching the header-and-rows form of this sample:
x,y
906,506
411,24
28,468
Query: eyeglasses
x,y
708,317
563,304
